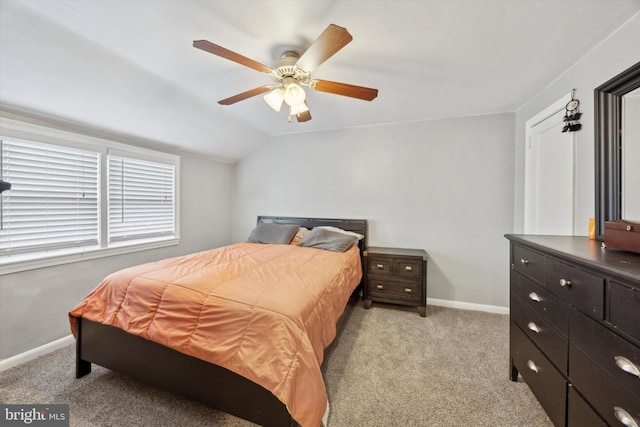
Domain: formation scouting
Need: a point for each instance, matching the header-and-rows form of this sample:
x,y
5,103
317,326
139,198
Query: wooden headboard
x,y
356,225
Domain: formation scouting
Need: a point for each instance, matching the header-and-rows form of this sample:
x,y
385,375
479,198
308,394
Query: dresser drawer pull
x,y
565,282
380,266
534,297
627,366
408,290
524,262
624,417
379,286
408,268
533,327
532,366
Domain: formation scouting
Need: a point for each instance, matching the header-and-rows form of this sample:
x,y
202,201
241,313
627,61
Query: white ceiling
x,y
129,67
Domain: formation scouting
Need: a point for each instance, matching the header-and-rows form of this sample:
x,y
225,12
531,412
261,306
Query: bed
x,y
218,375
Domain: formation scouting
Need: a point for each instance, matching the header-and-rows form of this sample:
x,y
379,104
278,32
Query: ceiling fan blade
x,y
230,55
244,95
344,89
324,47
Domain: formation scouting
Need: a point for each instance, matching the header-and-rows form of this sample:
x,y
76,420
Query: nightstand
x,y
396,276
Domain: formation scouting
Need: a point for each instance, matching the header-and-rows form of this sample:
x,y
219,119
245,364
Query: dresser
x,y
397,276
575,328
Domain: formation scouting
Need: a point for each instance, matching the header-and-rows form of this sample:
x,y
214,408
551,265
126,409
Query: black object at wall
x,y
4,185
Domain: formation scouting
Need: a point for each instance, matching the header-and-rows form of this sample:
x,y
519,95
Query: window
x,y
53,202
75,197
141,202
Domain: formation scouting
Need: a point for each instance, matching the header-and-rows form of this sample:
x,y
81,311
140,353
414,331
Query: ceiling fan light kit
x,y
294,71
275,98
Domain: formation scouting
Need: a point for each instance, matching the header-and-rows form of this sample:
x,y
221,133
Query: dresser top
x,y
395,251
584,251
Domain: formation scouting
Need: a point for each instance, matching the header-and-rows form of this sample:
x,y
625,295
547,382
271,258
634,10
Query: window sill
x,y
14,264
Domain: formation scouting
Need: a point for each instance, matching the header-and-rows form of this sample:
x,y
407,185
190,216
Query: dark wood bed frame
x,y
185,375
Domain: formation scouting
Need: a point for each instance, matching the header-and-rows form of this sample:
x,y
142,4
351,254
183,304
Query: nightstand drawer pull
x,y
408,290
379,287
534,297
380,266
565,282
532,366
533,327
524,262
624,417
408,268
627,366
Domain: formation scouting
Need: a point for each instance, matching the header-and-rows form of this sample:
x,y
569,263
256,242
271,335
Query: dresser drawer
x,y
578,287
546,383
624,309
616,356
540,332
380,265
528,262
580,414
611,401
383,287
542,302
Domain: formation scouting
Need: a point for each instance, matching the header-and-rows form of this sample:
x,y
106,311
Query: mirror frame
x,y
608,122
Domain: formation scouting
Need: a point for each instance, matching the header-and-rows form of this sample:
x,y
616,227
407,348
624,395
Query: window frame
x,y
38,132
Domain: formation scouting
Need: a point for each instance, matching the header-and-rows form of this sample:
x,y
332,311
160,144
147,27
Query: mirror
x,y
612,190
631,156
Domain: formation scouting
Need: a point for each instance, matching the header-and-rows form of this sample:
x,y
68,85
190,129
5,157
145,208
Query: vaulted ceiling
x,y
129,66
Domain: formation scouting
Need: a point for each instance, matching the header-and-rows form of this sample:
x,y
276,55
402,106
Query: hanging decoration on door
x,y
572,115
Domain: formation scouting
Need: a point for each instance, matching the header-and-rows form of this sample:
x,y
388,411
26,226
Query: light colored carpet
x,y
388,367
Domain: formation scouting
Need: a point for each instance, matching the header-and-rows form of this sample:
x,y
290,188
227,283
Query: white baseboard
x,y
21,358
468,306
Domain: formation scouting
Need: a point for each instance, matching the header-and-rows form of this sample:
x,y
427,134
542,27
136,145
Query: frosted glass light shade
x,y
294,94
275,98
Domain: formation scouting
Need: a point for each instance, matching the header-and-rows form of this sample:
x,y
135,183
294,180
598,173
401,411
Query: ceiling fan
x,y
293,71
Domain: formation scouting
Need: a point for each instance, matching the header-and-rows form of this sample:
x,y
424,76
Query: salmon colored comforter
x,y
266,312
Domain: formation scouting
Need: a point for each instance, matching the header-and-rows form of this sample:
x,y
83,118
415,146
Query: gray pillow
x,y
321,238
267,232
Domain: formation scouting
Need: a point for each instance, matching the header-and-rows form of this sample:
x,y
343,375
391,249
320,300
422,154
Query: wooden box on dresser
x,y
397,276
575,328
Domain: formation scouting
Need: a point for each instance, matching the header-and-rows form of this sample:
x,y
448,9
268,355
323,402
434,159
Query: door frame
x,y
529,172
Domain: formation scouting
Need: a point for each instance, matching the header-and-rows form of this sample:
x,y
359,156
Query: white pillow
x,y
340,230
301,233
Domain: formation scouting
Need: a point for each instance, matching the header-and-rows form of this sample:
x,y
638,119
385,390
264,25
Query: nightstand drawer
x,y
385,287
408,267
380,265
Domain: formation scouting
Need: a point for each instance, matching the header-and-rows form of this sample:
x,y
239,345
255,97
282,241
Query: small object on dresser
x,y
623,235
396,276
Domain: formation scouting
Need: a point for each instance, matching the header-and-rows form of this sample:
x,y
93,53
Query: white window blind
x,y
141,198
53,201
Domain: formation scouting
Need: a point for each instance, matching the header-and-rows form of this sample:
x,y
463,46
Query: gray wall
x,y
34,304
617,53
444,185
